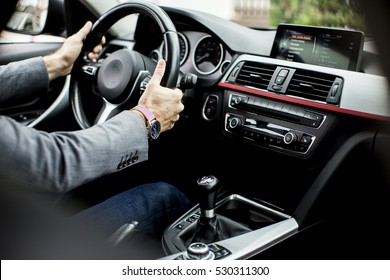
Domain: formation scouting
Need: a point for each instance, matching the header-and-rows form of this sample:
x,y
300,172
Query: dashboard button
x,y
306,140
277,87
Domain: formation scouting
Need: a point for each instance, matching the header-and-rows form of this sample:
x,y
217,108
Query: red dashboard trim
x,y
303,102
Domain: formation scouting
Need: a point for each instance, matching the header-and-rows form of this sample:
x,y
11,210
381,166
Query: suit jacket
x,y
60,161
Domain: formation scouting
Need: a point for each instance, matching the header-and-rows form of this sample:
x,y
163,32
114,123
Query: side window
x,y
36,21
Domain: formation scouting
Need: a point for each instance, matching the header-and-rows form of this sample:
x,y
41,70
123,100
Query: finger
x,y
158,73
97,49
92,56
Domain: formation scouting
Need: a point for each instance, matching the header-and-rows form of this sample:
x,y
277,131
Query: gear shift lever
x,y
210,226
208,186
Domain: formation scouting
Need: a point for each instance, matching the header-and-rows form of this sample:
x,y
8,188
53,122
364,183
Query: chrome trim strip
x,y
249,244
61,102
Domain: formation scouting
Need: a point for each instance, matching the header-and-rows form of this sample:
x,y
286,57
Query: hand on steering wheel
x,y
163,102
120,78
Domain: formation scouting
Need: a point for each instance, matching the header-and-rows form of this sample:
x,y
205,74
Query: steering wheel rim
x,y
116,68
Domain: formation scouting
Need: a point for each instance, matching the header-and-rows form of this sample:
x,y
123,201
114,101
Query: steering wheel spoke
x,y
107,111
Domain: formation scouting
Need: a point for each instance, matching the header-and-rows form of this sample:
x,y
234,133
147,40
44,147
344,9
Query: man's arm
x,y
19,79
31,76
61,161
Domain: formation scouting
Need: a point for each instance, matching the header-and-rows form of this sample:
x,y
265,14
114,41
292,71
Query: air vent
x,y
253,74
311,85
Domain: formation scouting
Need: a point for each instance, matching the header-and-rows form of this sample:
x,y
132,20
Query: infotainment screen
x,y
330,47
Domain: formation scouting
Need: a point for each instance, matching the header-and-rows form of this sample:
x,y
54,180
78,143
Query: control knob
x,y
199,251
290,138
234,122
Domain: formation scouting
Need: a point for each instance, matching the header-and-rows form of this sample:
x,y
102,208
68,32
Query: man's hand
x,y
61,62
163,102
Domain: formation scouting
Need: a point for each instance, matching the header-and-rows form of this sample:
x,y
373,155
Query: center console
x,y
234,226
245,228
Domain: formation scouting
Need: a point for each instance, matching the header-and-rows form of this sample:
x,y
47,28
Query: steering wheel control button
x,y
144,83
91,71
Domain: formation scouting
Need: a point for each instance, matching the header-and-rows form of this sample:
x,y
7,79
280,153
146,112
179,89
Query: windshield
x,y
269,13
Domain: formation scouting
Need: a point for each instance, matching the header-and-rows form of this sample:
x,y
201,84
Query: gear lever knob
x,y
208,186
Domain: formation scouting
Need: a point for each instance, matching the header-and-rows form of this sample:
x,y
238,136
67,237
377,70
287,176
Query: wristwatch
x,y
153,126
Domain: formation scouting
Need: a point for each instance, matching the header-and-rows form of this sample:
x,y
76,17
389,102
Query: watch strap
x,y
146,112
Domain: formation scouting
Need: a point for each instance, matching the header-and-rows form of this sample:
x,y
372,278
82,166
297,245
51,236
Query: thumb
x,y
158,73
83,32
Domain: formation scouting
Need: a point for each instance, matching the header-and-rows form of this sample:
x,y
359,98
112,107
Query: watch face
x,y
154,129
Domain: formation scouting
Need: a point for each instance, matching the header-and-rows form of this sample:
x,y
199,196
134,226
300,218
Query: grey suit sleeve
x,y
23,78
61,161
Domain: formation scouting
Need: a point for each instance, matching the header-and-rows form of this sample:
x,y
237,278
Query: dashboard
x,y
252,91
210,47
281,89
286,89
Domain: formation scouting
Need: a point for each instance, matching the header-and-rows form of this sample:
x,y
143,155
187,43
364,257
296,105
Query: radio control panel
x,y
269,134
276,125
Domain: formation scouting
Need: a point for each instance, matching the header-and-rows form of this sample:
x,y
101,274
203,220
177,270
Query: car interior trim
x,y
305,102
57,106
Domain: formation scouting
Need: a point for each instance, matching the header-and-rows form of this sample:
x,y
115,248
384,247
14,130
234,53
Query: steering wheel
x,y
121,78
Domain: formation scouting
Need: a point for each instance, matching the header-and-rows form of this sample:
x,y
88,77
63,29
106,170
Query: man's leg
x,y
154,206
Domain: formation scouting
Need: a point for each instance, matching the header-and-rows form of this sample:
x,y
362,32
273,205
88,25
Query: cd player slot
x,y
273,113
280,110
265,128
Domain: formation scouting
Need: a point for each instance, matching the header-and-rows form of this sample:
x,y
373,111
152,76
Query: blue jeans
x,y
154,206
31,230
